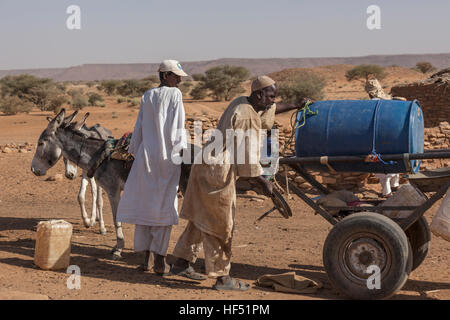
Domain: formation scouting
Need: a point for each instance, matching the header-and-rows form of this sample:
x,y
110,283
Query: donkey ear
x,y
82,122
57,121
70,118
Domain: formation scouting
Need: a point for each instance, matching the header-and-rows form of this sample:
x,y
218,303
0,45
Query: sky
x,y
33,34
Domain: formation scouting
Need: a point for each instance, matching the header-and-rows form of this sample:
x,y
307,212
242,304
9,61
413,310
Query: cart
x,y
364,237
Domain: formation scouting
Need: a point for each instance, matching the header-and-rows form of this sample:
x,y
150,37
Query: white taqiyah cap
x,y
172,65
262,82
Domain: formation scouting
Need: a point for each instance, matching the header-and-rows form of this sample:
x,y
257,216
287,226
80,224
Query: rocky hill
x,y
87,72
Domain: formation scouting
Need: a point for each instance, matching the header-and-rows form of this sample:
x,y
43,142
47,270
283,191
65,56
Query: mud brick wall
x,y
433,96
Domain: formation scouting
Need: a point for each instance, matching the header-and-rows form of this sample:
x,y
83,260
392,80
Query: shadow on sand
x,y
95,261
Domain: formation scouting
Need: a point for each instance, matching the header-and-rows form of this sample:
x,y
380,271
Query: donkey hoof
x,y
87,224
116,256
103,231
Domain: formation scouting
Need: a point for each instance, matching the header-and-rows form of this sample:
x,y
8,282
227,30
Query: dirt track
x,y
277,245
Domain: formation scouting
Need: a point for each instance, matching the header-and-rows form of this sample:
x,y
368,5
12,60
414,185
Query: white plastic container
x,y
53,244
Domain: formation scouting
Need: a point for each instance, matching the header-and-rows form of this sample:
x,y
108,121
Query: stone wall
x,y
433,95
437,138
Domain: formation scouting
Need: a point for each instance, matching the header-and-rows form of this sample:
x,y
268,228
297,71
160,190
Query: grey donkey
x,y
60,139
71,171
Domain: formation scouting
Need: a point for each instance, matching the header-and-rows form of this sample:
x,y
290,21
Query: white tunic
x,y
150,193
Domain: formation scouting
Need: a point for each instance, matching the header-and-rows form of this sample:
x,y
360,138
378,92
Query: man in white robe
x,y
149,199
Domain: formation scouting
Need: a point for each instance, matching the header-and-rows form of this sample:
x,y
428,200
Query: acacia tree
x,y
110,86
225,82
199,92
365,71
300,86
425,67
44,93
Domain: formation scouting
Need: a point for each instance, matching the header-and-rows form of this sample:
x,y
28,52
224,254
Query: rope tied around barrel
x,y
373,156
298,123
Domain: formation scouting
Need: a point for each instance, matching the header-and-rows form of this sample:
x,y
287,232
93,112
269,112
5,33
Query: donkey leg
x,y
94,201
100,210
82,200
114,199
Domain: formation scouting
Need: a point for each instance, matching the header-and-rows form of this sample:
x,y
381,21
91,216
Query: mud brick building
x,y
433,95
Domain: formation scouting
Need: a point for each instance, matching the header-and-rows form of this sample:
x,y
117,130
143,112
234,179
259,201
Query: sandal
x,y
232,285
144,268
189,273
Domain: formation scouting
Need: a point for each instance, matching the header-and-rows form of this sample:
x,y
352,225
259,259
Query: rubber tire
x,y
419,236
373,225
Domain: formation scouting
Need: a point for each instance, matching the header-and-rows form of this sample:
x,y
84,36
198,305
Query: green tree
x,y
56,103
225,82
364,71
425,67
21,85
94,99
185,87
79,101
303,85
199,92
110,86
11,105
42,92
198,77
134,87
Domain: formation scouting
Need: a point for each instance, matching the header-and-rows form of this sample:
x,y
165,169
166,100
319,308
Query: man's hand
x,y
303,102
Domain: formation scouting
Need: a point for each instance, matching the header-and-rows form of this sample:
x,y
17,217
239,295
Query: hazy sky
x,y
33,34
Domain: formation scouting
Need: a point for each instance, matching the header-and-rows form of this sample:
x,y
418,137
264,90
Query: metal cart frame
x,y
365,237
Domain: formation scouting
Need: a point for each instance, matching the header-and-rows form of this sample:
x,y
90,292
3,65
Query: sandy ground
x,y
274,246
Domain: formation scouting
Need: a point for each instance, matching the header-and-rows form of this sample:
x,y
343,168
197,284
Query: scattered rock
x,y
6,150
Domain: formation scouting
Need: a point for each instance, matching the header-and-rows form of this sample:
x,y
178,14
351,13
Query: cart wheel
x,y
281,204
419,236
363,240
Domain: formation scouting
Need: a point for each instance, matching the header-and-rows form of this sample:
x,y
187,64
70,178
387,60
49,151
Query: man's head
x,y
170,73
264,92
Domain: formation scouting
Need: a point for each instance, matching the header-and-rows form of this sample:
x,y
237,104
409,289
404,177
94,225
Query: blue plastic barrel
x,y
361,127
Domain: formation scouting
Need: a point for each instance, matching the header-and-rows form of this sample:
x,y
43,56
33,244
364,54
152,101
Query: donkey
x,y
61,139
71,169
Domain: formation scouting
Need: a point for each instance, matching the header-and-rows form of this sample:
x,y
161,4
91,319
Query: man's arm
x,y
283,107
